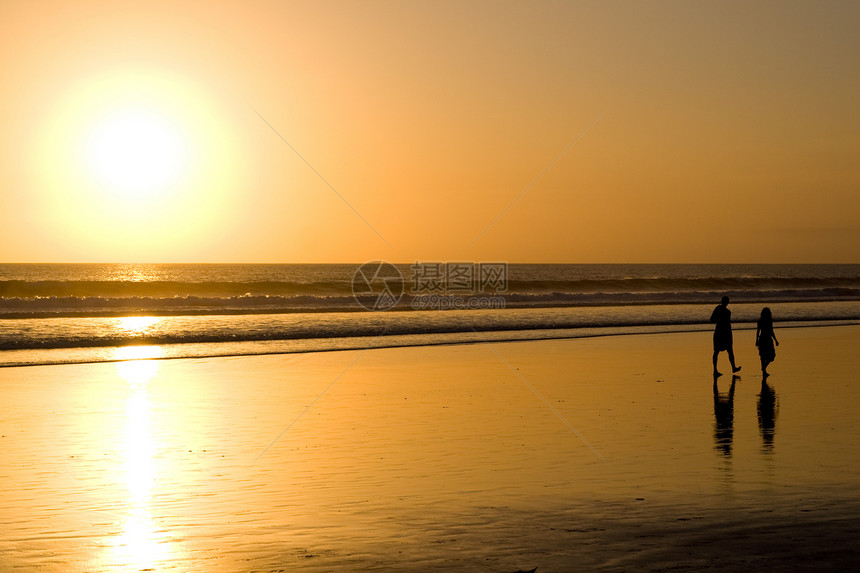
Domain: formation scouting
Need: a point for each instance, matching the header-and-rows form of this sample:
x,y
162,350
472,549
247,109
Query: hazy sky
x,y
349,131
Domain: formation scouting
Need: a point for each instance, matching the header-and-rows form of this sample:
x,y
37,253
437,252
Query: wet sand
x,y
611,454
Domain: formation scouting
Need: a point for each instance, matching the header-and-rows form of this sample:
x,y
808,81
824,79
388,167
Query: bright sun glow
x,y
136,151
134,163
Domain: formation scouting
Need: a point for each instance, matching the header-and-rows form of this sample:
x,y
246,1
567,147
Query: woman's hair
x,y
765,315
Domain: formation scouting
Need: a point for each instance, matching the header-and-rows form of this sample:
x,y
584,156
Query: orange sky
x,y
704,131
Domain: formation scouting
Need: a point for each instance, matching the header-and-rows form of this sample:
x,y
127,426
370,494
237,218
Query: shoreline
x,y
575,334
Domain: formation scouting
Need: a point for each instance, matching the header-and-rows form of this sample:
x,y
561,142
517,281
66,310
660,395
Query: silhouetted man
x,y
722,318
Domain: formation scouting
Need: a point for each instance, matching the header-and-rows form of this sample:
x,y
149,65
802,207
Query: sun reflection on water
x,y
137,353
136,324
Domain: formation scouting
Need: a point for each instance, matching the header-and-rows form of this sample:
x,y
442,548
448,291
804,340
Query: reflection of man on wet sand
x,y
722,318
724,417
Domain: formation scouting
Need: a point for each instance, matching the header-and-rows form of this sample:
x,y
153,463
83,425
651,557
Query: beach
x,y
429,286
611,453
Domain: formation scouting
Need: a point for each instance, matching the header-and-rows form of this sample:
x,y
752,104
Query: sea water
x,y
68,313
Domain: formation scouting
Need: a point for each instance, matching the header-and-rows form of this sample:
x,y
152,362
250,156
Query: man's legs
x,y
732,360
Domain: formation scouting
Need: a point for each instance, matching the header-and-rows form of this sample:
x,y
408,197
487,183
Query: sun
x,y
135,151
139,164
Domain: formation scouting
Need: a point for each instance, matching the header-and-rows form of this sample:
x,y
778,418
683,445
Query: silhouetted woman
x,y
765,338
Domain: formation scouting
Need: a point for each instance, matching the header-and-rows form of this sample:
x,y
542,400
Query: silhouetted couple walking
x,y
764,337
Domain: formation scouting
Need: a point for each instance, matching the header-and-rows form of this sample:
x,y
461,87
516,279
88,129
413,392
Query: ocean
x,y
76,313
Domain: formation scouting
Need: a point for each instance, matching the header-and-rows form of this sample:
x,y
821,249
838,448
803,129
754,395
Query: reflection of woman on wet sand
x,y
767,414
764,339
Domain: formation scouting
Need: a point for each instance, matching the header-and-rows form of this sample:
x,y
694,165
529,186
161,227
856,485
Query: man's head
x,y
725,301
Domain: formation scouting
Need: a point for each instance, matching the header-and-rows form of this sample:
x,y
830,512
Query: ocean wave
x,y
67,306
681,284
104,332
168,289
343,286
